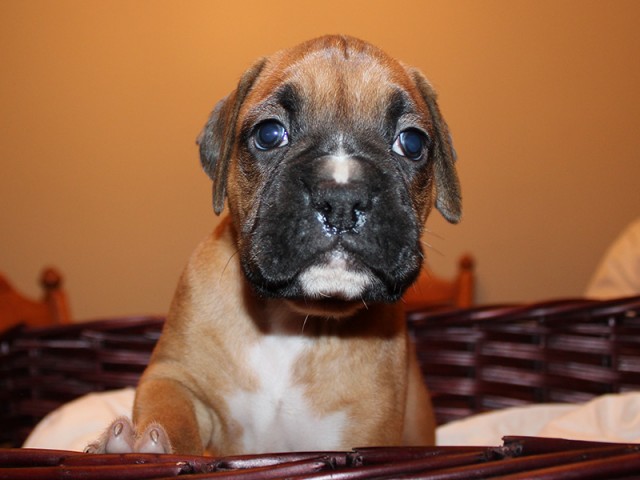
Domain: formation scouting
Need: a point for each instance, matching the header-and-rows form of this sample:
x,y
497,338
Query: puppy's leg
x,y
168,404
164,422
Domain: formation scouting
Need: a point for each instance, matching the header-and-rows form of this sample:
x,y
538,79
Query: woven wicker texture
x,y
42,368
474,359
518,458
488,358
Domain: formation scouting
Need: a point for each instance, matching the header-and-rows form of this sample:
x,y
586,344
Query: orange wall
x,y
100,104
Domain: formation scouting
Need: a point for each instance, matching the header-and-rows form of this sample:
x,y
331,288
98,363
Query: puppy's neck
x,y
379,320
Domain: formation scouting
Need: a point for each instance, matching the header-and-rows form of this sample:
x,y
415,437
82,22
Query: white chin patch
x,y
334,280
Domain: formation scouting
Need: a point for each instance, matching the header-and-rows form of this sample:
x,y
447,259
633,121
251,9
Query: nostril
x,y
326,208
340,209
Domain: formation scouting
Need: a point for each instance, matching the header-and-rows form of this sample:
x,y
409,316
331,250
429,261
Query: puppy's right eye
x,y
270,134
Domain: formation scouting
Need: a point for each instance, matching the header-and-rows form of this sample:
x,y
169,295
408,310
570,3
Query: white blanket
x,y
611,418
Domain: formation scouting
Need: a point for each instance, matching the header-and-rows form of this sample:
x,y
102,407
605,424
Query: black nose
x,y
342,208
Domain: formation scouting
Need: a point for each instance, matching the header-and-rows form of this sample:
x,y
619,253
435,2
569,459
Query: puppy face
x,y
331,156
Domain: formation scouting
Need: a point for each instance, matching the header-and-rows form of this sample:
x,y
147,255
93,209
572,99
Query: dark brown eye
x,y
270,134
410,143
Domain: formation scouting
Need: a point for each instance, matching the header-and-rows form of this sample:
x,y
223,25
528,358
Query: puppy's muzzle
x,y
335,227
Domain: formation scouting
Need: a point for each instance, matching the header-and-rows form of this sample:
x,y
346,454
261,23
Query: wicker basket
x,y
488,358
474,359
42,368
519,458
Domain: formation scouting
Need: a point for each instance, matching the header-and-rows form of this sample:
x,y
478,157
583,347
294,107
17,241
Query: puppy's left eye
x,y
410,143
270,134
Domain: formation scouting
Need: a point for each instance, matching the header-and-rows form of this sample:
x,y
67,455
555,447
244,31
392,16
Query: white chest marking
x,y
277,416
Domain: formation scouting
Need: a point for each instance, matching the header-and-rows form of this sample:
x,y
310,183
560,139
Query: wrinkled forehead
x,y
343,84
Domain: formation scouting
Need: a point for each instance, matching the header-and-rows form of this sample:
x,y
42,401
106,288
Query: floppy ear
x,y
217,139
448,199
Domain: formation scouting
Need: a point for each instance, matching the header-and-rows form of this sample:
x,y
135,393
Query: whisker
x,y
431,248
433,234
227,264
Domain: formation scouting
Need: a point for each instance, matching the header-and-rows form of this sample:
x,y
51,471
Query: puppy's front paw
x,y
121,437
154,439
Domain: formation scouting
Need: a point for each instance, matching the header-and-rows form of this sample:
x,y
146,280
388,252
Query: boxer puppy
x,y
286,331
